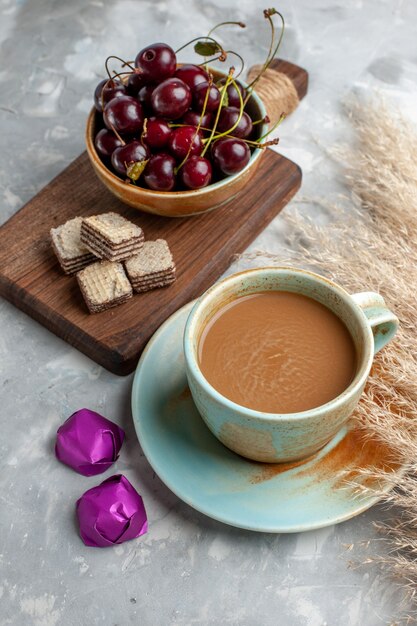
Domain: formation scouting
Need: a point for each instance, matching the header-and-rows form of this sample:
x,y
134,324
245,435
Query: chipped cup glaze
x,y
271,437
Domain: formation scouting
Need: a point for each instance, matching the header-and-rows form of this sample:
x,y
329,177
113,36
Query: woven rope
x,y
276,90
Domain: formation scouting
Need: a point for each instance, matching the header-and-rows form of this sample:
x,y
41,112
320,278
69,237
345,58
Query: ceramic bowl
x,y
177,203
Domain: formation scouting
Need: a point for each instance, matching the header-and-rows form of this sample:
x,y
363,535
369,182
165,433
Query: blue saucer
x,y
221,484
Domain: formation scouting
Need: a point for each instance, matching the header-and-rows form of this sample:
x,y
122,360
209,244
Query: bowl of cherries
x,y
177,139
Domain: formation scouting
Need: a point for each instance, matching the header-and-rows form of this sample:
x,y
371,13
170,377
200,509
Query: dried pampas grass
x,y
375,248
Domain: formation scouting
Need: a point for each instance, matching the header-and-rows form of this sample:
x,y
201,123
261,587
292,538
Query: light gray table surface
x,y
188,569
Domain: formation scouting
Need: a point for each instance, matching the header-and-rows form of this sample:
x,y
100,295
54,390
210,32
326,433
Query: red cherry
x,y
134,83
193,118
182,138
232,95
156,62
199,96
144,95
130,153
106,142
192,75
124,115
196,172
230,155
106,90
228,118
157,132
159,172
171,98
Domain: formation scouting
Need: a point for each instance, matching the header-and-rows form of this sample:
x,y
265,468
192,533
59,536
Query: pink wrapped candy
x,y
88,442
112,512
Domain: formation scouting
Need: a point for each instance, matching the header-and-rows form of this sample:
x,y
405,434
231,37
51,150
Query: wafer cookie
x,y
104,285
111,236
153,258
71,253
152,267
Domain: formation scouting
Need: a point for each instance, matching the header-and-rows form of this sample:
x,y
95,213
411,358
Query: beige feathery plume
x,y
376,249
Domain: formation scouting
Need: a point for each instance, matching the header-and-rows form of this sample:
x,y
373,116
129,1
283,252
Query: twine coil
x,y
276,90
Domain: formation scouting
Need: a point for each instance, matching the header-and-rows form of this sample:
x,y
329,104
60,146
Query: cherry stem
x,y
197,130
124,63
271,130
128,179
117,134
144,129
271,43
213,130
272,142
218,135
221,58
241,24
241,105
117,74
263,120
111,80
242,62
199,39
268,13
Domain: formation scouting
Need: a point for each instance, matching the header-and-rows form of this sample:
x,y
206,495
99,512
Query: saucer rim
x,y
368,501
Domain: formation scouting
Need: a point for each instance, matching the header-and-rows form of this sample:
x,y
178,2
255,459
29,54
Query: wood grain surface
x,y
203,247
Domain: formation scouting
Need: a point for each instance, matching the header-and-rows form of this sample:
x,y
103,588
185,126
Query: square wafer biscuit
x,y
152,267
104,285
154,259
111,236
71,253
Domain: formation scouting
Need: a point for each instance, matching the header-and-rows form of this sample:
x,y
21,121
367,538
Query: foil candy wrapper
x,y
111,513
88,442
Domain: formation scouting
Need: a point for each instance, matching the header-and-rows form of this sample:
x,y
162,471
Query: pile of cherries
x,y
170,125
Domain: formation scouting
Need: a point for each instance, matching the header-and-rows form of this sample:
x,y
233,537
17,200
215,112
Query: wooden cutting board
x,y
203,247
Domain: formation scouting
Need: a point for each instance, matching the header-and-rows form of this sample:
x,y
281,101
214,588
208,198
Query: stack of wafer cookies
x,y
111,236
152,267
71,253
94,248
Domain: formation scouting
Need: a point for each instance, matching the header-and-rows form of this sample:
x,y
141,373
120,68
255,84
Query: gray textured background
x,y
188,569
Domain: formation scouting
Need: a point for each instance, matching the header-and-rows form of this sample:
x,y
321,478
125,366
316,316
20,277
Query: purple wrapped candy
x,y
112,512
88,442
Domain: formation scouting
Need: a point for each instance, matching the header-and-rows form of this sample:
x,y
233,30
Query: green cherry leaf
x,y
207,48
134,170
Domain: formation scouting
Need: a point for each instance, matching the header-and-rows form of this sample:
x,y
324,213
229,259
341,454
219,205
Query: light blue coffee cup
x,y
271,437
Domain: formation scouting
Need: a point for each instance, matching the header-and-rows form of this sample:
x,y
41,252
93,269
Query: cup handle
x,y
383,323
